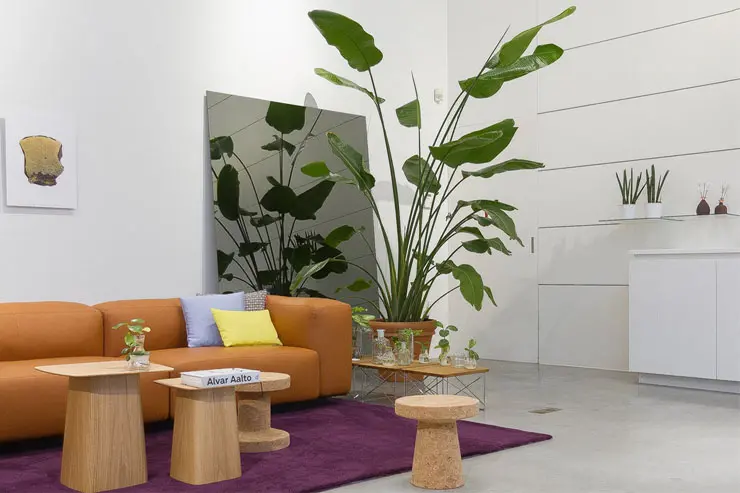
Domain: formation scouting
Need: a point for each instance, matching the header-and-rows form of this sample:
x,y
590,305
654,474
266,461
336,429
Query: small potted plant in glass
x,y
444,344
471,358
136,356
653,188
423,353
360,326
631,191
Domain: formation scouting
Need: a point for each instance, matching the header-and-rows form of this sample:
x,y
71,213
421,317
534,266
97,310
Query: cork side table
x,y
204,442
437,461
104,427
255,431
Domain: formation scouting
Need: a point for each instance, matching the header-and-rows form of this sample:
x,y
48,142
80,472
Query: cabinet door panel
x,y
673,318
728,319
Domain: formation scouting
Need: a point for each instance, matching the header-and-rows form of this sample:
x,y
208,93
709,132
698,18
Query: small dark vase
x,y
721,208
703,208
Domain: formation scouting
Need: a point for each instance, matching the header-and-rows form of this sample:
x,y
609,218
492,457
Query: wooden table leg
x,y
437,461
255,432
205,448
103,434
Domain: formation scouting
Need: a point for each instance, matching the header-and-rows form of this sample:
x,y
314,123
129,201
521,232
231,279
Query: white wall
x,y
640,83
135,73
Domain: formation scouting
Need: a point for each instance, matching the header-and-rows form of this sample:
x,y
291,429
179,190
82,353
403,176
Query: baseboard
x,y
690,383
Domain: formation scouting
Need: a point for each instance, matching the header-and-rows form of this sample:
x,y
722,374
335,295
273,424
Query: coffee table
x,y
437,461
417,378
204,441
255,431
104,427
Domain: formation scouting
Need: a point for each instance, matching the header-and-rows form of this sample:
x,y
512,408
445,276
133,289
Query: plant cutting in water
x,y
135,332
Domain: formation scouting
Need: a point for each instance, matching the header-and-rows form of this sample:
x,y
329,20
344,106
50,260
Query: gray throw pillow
x,y
254,302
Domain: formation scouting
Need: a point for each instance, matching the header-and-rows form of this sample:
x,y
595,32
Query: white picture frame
x,y
56,189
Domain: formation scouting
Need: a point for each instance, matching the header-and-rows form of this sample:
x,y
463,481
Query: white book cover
x,y
222,377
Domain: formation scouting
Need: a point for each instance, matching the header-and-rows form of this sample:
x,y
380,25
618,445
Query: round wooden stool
x,y
437,461
255,432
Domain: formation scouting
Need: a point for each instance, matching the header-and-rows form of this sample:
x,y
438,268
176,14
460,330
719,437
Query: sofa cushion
x,y
199,323
49,329
246,328
34,403
301,364
164,316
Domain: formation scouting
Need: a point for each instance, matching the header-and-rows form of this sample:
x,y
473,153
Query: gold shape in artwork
x,y
42,159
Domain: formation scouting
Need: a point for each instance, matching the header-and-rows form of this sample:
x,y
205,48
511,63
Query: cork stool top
x,y
437,407
269,382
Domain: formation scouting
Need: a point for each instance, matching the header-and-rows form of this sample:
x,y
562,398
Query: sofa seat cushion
x,y
34,403
301,364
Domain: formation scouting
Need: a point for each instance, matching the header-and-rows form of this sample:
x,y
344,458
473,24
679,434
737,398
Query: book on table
x,y
222,377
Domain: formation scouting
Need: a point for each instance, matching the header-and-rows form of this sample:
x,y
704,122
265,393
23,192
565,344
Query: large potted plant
x,y
416,246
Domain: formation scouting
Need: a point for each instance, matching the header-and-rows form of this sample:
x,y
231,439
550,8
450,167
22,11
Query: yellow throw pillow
x,y
241,328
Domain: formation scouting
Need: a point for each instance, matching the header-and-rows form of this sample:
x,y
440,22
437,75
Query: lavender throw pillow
x,y
199,323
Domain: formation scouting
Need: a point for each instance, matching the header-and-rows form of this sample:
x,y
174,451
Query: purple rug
x,y
332,442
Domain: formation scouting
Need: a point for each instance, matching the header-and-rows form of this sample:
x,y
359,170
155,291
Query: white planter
x,y
654,210
628,211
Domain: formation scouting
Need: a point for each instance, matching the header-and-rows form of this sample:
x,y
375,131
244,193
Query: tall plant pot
x,y
427,328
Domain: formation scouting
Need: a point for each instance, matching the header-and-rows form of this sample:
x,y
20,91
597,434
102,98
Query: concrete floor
x,y
610,436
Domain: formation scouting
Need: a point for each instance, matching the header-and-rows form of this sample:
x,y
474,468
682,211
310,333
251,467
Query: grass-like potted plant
x,y
136,356
421,244
653,189
631,191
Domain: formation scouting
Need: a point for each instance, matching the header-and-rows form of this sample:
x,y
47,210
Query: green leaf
x,y
280,199
306,272
118,326
246,249
497,216
298,257
444,333
516,46
446,267
354,44
267,276
227,192
409,115
309,202
278,144
262,221
510,165
488,83
478,147
341,81
317,169
245,212
470,230
129,339
228,277
471,285
480,245
223,260
341,234
273,181
489,293
358,285
453,328
220,146
137,321
124,351
417,169
338,266
284,117
353,161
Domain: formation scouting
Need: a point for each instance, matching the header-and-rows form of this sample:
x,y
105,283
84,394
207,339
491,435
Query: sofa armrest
x,y
322,325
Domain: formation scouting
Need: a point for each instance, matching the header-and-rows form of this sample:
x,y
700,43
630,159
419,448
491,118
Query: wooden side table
x,y
205,448
255,431
437,460
104,427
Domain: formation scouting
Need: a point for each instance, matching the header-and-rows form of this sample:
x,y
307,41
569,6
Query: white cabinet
x,y
728,319
673,318
684,310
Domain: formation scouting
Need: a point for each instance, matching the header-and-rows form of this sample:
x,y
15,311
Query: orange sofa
x,y
316,353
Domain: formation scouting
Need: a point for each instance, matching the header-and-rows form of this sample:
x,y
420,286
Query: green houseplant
x,y
266,253
471,358
631,191
360,326
136,330
653,188
416,245
444,344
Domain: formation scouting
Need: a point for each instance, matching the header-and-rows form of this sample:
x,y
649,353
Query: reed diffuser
x,y
721,207
703,208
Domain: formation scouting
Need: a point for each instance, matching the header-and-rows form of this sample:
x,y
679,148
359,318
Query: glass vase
x,y
471,363
381,346
424,357
138,361
403,355
444,358
458,360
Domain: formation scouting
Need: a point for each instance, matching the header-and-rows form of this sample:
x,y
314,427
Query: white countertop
x,y
687,251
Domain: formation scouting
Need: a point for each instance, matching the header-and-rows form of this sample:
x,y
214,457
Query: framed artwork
x,y
40,161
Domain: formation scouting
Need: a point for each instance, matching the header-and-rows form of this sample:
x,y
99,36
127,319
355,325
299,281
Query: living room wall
x,y
134,74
